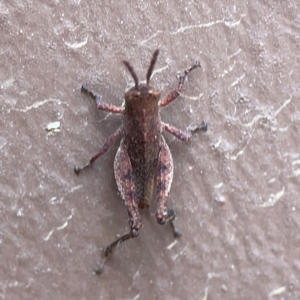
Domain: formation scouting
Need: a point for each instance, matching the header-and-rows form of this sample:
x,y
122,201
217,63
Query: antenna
x,y
152,64
131,71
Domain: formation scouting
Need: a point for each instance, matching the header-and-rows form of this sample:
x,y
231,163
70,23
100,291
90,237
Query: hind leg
x,y
163,185
126,185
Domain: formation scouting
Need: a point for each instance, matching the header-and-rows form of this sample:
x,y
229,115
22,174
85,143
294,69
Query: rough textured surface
x,y
236,188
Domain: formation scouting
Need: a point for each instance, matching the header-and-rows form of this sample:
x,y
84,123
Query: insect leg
x,y
170,218
126,185
181,135
174,94
110,248
109,142
163,185
101,105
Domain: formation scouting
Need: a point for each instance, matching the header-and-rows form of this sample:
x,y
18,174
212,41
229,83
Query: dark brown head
x,y
142,95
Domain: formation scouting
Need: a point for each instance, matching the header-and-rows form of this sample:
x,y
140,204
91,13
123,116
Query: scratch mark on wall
x,y
38,104
229,24
77,45
273,199
64,225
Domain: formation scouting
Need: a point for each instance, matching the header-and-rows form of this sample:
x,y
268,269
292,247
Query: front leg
x,y
174,94
163,185
101,105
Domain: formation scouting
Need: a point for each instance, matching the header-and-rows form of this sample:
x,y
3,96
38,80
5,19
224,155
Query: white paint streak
x,y
38,104
229,70
297,172
238,80
151,37
277,291
259,116
254,120
217,144
219,185
292,155
47,237
159,70
282,107
63,197
205,294
77,45
66,223
284,129
296,162
234,157
273,199
229,24
235,53
193,98
7,83
172,245
174,257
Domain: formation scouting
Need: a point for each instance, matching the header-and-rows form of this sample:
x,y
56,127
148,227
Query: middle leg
x,y
181,135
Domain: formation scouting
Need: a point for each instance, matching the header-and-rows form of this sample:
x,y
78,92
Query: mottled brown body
x,y
142,139
143,158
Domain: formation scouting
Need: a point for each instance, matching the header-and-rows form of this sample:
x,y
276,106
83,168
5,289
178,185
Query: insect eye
x,y
153,93
135,95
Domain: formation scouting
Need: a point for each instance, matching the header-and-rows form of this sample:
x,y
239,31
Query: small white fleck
x,y
20,212
172,245
277,291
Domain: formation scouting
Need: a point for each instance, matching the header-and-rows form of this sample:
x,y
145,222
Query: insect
x,y
143,163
